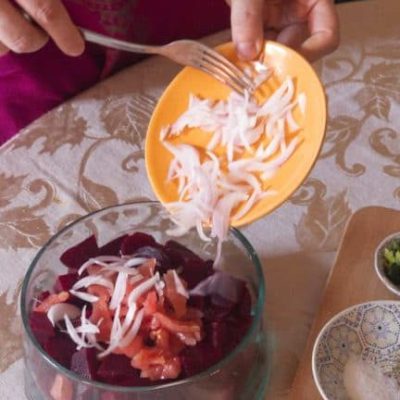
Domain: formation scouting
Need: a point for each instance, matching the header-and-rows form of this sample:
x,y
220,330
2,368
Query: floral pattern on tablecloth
x,y
88,153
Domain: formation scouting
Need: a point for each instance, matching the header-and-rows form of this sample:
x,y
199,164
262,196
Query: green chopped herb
x,y
391,256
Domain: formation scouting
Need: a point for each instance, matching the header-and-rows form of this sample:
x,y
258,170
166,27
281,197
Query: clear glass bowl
x,y
242,374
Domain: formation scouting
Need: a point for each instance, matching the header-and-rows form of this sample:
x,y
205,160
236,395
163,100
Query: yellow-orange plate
x,y
174,101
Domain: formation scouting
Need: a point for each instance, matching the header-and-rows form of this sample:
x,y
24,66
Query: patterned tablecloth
x,y
88,153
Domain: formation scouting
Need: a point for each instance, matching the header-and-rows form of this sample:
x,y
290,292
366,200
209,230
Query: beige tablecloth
x,y
88,153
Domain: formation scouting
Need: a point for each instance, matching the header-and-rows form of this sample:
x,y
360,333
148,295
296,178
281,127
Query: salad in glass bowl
x,y
114,308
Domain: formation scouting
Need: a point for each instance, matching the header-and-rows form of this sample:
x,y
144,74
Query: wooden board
x,y
352,280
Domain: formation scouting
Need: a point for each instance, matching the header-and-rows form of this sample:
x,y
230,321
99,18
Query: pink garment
x,y
31,84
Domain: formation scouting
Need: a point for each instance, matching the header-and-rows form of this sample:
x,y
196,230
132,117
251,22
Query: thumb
x,y
247,27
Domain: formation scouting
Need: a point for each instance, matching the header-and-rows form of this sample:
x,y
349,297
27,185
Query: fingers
x,y
3,49
294,35
53,18
247,27
16,33
324,30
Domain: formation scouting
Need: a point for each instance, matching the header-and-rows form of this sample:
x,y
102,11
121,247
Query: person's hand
x,y
26,27
309,26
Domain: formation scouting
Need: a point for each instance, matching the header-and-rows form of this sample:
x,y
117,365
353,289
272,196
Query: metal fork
x,y
184,52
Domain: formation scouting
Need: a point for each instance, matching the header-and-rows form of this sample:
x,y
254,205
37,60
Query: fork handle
x,y
118,44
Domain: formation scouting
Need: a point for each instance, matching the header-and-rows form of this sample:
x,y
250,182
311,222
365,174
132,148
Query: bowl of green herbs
x,y
387,262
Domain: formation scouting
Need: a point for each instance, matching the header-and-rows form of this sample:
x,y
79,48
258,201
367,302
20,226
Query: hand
x,y
309,26
45,18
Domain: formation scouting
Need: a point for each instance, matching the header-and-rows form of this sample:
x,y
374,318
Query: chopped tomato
x,y
177,301
169,368
176,326
147,268
100,291
150,303
49,301
148,356
101,312
161,338
132,349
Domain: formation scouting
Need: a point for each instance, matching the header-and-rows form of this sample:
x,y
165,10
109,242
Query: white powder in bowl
x,y
366,381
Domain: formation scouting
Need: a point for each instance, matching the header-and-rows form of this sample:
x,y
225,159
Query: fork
x,y
184,52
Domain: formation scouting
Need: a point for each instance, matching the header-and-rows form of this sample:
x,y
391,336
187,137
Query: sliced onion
x,y
90,298
57,311
208,194
143,288
73,334
93,280
100,260
119,290
126,340
180,289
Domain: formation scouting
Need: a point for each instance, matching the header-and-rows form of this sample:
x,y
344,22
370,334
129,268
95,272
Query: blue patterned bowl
x,y
370,331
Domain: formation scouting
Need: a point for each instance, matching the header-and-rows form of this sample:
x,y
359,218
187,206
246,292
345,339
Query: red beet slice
x,y
217,335
245,304
65,282
180,254
216,313
61,348
135,241
194,269
41,327
42,296
84,363
198,302
116,368
197,359
112,248
163,262
75,256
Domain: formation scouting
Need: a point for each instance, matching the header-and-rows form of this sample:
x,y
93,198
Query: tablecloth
x,y
88,153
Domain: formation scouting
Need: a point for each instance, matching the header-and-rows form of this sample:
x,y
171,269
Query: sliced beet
x,y
41,327
245,305
237,330
112,248
194,268
198,302
214,313
180,254
75,256
65,282
135,241
42,296
163,262
84,363
194,273
61,348
218,335
197,359
116,368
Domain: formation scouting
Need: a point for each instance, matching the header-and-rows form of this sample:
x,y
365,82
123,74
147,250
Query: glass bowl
x,y
242,374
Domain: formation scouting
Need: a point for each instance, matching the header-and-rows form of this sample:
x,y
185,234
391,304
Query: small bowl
x,y
285,62
368,330
379,264
243,373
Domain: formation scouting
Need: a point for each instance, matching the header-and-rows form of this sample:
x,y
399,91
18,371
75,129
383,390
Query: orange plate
x,y
285,62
